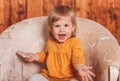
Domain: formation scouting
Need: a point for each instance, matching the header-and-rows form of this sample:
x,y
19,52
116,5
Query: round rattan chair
x,y
102,50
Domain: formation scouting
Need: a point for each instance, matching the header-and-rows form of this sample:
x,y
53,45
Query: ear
x,y
73,28
49,28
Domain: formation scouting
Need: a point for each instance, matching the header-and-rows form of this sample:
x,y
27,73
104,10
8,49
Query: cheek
x,y
54,32
71,29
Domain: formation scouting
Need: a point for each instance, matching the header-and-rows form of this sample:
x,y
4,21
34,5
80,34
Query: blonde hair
x,y
57,13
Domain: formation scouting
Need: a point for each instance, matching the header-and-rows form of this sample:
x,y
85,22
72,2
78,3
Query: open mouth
x,y
61,36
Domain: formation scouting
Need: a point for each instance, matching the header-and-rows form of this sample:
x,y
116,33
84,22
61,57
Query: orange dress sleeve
x,y
42,56
77,53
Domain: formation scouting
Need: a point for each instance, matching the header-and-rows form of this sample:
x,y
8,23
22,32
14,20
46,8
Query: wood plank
x,y
113,12
7,13
2,23
116,18
70,3
111,17
82,8
18,10
92,9
52,3
34,8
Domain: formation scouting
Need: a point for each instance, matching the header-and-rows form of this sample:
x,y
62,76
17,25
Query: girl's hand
x,y
29,57
85,73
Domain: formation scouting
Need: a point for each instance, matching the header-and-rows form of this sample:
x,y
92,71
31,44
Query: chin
x,y
62,40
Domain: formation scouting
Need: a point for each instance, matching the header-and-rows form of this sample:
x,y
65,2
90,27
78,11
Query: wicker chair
x,y
102,50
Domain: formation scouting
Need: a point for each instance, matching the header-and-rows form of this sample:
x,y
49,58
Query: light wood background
x,y
105,12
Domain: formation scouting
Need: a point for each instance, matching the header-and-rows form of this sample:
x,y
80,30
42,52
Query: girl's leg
x,y
37,77
74,80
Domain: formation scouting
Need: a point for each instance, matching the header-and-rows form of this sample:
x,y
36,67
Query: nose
x,y
61,29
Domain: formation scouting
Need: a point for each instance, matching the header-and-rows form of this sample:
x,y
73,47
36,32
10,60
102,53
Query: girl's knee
x,y
34,77
37,77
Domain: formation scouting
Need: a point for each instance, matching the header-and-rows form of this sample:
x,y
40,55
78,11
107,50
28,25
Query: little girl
x,y
63,54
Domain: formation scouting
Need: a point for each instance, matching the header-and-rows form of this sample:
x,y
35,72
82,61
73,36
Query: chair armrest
x,y
113,73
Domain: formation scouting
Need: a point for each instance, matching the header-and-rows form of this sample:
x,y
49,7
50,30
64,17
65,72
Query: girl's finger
x,y
89,77
83,78
26,59
86,78
89,68
91,73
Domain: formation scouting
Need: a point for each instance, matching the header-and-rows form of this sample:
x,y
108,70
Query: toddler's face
x,y
62,29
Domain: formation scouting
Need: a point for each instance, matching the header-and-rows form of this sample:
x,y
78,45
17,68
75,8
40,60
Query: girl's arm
x,y
29,57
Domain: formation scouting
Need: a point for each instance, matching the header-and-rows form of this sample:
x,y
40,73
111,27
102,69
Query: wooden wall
x,y
105,12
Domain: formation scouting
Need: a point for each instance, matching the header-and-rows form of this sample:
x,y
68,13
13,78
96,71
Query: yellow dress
x,y
62,59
